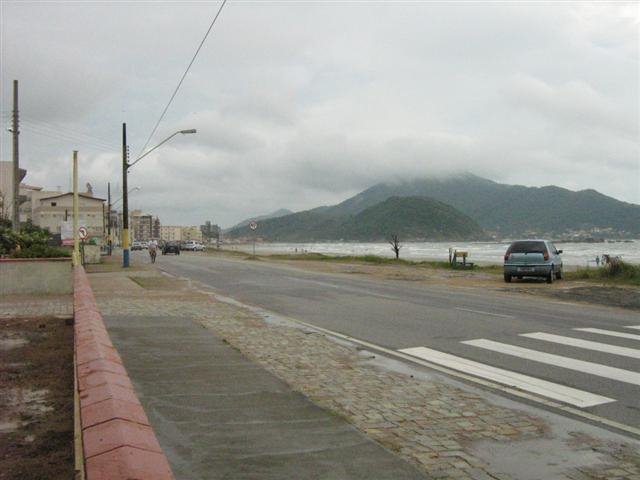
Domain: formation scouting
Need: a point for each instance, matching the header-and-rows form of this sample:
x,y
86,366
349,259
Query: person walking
x,y
153,250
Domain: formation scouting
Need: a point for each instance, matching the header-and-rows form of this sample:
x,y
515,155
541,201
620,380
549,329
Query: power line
x,y
182,79
76,130
65,138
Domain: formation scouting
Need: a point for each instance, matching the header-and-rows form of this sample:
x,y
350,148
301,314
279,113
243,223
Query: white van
x,y
193,246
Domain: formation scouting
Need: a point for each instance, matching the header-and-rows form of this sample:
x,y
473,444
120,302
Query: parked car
x,y
171,247
137,246
532,258
192,245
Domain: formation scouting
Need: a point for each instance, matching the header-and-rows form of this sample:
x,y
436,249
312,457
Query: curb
x,y
118,443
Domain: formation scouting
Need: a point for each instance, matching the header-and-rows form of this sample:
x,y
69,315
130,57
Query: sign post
x,y
253,225
82,233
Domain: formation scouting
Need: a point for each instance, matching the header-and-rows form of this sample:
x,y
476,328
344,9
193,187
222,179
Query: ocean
x,y
482,253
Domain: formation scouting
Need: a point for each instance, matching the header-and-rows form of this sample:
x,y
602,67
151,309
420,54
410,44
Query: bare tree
x,y
395,245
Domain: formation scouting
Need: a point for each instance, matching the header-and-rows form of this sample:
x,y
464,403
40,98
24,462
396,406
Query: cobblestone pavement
x,y
30,306
445,428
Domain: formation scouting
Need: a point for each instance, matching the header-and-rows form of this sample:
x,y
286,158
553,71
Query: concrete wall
x,y
91,254
35,276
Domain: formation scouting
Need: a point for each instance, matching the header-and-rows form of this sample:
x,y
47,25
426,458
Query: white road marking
x,y
637,327
578,398
626,376
483,313
611,333
577,342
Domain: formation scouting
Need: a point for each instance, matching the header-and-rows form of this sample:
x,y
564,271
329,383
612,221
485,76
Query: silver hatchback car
x,y
533,258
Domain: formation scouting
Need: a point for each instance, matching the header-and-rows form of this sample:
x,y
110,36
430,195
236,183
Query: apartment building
x,y
141,225
192,233
171,233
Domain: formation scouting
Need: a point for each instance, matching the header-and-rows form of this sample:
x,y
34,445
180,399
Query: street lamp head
x,y
191,130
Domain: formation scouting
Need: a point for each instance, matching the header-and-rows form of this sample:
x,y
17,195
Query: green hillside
x,y
412,218
512,210
504,211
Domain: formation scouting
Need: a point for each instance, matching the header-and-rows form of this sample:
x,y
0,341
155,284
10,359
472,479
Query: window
x,y
54,204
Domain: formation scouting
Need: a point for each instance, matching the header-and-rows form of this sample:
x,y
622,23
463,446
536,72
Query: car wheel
x,y
519,277
507,278
551,276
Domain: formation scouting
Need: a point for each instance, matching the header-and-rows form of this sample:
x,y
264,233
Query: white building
x,y
53,210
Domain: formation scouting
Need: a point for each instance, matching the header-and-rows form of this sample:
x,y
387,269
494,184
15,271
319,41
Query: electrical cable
x,y
25,128
75,130
181,79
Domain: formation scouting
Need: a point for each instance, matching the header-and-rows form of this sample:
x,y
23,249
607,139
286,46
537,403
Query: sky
x,y
306,103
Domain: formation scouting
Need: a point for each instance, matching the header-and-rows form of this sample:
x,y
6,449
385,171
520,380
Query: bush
x,y
30,242
41,251
617,271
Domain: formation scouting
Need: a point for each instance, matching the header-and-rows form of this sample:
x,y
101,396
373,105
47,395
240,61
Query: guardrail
x,y
117,439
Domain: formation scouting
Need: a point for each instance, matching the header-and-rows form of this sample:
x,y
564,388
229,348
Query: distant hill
x,y
503,211
512,210
412,218
278,213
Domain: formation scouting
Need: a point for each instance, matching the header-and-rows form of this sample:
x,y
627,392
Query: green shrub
x,y
41,251
30,242
617,271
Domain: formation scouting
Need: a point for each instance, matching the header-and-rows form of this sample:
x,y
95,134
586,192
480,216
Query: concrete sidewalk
x,y
232,394
219,415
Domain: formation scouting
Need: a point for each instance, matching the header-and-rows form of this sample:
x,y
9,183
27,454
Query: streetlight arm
x,y
121,196
149,151
184,132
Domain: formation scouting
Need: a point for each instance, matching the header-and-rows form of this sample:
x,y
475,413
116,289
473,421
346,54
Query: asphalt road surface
x,y
594,351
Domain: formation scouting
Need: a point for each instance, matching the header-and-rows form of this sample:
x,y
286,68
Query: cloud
x,y
299,105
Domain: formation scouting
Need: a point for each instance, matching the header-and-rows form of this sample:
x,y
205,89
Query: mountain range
x,y
500,210
278,213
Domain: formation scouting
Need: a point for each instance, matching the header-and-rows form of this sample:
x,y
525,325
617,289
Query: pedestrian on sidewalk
x,y
153,250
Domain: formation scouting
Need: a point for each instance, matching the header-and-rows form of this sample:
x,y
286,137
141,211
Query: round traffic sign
x,y
82,231
253,225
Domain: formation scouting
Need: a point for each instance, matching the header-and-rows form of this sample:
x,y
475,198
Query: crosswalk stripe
x,y
579,343
637,327
611,333
573,396
626,376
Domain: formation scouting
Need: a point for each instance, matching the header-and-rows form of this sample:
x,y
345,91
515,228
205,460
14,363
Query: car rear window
x,y
527,247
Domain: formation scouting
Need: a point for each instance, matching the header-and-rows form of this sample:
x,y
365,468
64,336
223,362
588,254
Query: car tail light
x,y
546,256
506,257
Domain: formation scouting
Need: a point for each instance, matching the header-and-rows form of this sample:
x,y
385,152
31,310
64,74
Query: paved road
x,y
602,363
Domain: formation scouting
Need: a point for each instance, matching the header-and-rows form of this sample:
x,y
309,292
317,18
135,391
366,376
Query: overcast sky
x,y
300,104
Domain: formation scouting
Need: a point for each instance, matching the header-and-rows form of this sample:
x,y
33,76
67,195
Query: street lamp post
x,y
125,200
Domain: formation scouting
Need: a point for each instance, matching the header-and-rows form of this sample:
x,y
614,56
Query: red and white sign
x,y
83,233
253,225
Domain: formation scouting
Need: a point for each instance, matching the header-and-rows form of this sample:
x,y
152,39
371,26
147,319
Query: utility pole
x,y
76,235
109,216
125,200
16,161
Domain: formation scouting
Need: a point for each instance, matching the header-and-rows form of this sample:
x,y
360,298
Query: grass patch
x,y
112,267
377,260
618,272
